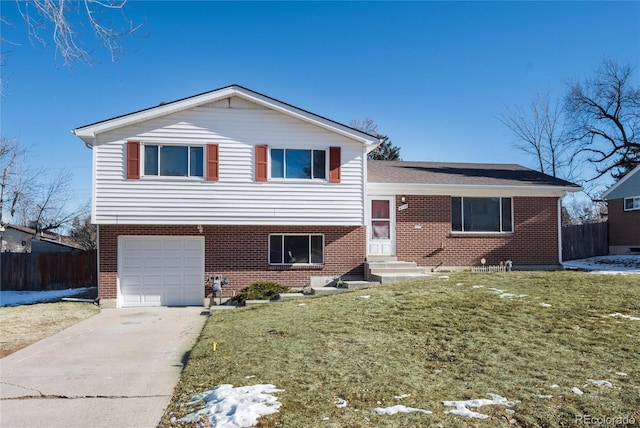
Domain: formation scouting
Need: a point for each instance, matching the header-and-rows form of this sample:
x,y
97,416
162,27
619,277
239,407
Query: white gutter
x,y
469,190
560,229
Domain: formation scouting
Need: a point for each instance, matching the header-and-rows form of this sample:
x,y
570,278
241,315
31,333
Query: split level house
x,y
234,183
623,201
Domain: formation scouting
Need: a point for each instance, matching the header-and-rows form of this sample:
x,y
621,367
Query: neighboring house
x,y
234,183
623,201
22,239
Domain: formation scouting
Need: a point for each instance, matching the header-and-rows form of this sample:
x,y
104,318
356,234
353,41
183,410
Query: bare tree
x,y
48,207
33,196
540,132
604,111
84,233
367,125
63,21
386,150
14,180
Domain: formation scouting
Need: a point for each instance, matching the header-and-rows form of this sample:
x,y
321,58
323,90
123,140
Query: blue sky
x,y
433,75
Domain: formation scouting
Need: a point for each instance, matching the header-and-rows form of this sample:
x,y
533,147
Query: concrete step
x,y
382,259
397,269
328,290
394,278
391,264
354,285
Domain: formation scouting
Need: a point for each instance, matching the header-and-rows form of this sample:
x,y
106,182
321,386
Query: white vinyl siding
x,y
236,198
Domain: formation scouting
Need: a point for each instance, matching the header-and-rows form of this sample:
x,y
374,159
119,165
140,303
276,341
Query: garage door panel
x,y
157,271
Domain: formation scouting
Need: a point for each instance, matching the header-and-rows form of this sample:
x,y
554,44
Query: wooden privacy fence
x,y
585,240
48,271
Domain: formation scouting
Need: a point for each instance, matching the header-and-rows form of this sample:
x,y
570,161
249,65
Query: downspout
x,y
98,262
560,227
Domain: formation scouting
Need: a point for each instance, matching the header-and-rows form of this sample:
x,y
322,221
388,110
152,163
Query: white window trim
x,y
174,177
296,234
624,203
299,180
469,232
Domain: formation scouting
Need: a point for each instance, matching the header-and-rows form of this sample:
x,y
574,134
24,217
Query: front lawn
x,y
554,347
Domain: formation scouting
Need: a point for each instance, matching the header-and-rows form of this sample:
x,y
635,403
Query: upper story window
x,y
297,163
481,214
632,204
173,161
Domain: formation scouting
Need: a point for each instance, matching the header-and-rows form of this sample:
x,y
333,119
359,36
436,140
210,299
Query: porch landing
x,y
388,270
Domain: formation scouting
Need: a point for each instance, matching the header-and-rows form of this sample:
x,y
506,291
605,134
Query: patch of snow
x,y
399,409
17,298
545,305
443,277
576,391
477,286
509,411
462,410
600,382
325,418
461,284
554,386
437,371
621,264
548,397
235,407
512,295
621,374
250,377
629,317
513,421
365,296
302,304
341,404
400,397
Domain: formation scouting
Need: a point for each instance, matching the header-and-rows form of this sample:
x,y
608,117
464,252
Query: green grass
x,y
436,340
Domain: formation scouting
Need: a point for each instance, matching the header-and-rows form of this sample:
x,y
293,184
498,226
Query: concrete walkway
x,y
115,369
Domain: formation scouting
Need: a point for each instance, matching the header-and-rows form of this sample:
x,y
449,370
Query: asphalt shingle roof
x,y
459,174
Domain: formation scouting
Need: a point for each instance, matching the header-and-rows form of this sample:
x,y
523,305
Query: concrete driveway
x,y
115,369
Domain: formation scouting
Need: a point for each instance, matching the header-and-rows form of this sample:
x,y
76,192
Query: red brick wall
x,y
624,226
240,253
533,242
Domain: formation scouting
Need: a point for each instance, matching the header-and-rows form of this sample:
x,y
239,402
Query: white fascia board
x,y
88,133
466,190
622,180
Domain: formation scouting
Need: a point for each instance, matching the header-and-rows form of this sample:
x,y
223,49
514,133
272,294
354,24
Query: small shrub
x,y
259,290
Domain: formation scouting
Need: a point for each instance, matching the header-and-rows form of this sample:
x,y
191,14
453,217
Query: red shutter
x,y
133,159
334,164
261,162
212,162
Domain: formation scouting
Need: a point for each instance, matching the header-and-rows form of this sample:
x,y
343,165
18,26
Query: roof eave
x,y
88,133
462,189
622,180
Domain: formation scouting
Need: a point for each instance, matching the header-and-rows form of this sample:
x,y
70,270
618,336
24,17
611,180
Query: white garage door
x,y
161,270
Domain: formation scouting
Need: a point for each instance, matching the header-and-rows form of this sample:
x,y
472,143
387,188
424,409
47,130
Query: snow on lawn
x,y
607,264
231,407
17,298
399,409
462,410
629,317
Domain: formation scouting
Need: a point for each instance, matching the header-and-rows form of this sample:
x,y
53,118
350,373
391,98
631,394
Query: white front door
x,y
381,233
